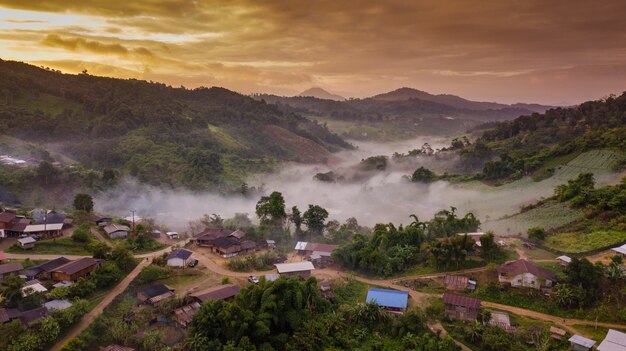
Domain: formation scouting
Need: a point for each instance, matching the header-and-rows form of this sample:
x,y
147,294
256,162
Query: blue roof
x,y
180,253
388,298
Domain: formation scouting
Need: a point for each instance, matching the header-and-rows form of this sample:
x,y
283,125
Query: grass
x,y
182,279
350,293
552,214
595,333
583,242
62,246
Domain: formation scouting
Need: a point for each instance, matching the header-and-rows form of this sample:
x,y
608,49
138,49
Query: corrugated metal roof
x,y
180,253
620,249
614,341
565,259
57,304
26,240
388,298
33,228
294,267
460,300
581,340
10,267
300,245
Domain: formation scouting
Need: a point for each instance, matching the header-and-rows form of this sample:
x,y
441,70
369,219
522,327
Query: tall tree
x,y
83,202
271,209
296,218
315,218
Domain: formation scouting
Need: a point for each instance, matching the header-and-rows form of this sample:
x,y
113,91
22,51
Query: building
x,y
116,231
501,320
524,274
302,269
580,343
620,250
59,305
458,282
42,271
178,258
271,277
154,294
172,235
6,220
459,307
74,270
33,286
184,315
10,269
27,243
564,260
44,230
613,341
319,254
394,301
205,237
27,318
220,292
100,221
557,333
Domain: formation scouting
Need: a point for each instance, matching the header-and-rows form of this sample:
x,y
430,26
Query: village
x,y
167,286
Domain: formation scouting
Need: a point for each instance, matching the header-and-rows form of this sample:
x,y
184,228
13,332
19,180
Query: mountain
x,y
320,93
159,134
454,101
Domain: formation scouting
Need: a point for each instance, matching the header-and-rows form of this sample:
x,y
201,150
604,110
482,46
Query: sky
x,y
554,52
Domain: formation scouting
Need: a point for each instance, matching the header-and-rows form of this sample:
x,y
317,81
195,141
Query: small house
x,y
501,320
459,307
184,315
557,333
580,343
394,301
44,230
271,277
172,235
155,233
178,258
42,271
10,269
620,250
116,231
458,282
33,286
220,292
206,237
613,341
154,294
524,274
100,221
27,243
30,317
564,260
302,269
58,305
6,220
74,270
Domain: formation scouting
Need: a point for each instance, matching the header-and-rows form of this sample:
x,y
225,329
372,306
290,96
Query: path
x,y
437,327
96,232
108,298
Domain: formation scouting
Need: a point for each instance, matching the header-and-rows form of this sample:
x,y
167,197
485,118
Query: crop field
x,y
583,242
493,203
552,214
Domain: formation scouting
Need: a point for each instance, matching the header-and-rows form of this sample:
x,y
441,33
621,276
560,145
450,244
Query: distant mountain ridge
x,y
454,101
320,93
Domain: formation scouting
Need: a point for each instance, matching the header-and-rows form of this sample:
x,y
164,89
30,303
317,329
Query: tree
x,y
271,209
83,202
423,175
123,258
46,172
490,250
315,218
12,289
80,235
296,218
99,249
536,234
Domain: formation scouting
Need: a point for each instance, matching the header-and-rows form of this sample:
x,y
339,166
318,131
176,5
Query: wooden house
x,y
524,274
26,243
459,307
580,343
74,270
10,269
116,231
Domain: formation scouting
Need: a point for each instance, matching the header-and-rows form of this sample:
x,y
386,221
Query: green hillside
x,y
198,138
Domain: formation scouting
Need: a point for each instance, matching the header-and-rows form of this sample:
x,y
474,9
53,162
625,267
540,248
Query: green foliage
x,y
12,289
575,187
152,273
374,163
253,262
423,175
490,250
536,234
81,236
83,202
315,218
271,209
99,249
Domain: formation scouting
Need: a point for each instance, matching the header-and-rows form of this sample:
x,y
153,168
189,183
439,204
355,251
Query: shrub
x,y
80,236
536,234
153,273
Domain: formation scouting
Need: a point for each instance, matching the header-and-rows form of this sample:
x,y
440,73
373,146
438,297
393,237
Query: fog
x,y
384,197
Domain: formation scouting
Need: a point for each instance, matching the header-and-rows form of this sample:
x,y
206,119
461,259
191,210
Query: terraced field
x,y
583,242
553,214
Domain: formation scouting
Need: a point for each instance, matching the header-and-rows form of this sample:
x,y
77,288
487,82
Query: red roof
x,y
523,266
7,217
461,300
219,292
456,282
77,266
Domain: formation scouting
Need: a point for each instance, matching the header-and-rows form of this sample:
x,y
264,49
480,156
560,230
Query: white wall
x,y
175,262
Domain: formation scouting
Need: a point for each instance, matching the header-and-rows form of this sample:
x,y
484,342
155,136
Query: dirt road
x,y
89,317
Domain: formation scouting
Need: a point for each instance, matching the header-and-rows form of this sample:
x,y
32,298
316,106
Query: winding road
x,y
421,298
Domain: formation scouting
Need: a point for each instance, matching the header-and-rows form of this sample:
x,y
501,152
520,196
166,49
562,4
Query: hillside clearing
x,y
583,242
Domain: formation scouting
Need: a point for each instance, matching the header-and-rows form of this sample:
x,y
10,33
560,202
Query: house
x,y
33,286
523,273
117,348
59,305
30,317
475,237
74,270
100,221
613,341
27,243
620,250
580,343
226,246
178,258
9,314
205,237
225,242
271,244
44,230
184,315
172,235
116,231
10,269
220,292
302,269
393,301
271,277
319,254
458,282
557,333
6,220
564,260
501,320
459,307
154,294
155,233
42,271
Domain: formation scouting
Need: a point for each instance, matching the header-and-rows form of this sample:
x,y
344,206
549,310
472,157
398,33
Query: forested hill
x,y
155,132
528,143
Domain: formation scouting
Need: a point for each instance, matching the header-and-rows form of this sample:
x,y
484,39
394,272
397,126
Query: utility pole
x,y
133,212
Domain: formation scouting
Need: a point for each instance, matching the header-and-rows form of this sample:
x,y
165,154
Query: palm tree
x,y
12,289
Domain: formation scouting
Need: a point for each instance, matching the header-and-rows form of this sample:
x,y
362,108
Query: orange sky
x,y
508,51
